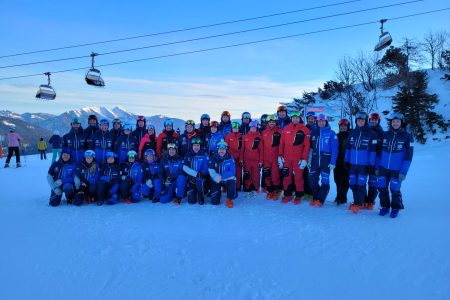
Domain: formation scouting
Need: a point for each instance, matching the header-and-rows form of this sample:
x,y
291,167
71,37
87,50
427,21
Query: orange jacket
x,y
271,143
251,147
294,144
234,141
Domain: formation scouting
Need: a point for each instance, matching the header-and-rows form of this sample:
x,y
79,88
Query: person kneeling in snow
x,y
86,179
61,177
151,185
108,184
171,173
396,157
131,176
196,167
222,170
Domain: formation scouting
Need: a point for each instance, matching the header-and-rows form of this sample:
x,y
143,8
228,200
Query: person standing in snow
x,y
225,123
184,142
221,168
108,184
116,131
141,129
341,172
234,142
151,187
91,129
361,155
395,161
263,123
131,178
147,142
75,140
168,136
323,154
61,178
204,128
42,147
13,146
102,142
311,124
283,119
372,193
246,118
126,142
86,179
172,175
214,137
56,141
196,167
293,157
251,158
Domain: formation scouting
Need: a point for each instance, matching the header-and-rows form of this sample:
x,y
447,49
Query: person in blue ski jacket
x,y
204,128
102,142
185,140
86,179
246,118
172,175
126,142
141,128
214,137
116,130
151,187
196,167
395,161
131,178
372,193
222,169
311,121
108,183
61,178
323,154
75,141
225,123
91,129
360,155
282,117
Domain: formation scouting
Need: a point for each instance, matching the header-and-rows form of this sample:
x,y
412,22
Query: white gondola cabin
x,y
46,91
385,38
94,76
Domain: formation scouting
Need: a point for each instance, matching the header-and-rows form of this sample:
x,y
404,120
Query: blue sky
x,y
253,77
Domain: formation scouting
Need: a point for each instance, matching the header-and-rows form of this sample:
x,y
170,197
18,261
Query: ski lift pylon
x,y
385,38
46,91
94,76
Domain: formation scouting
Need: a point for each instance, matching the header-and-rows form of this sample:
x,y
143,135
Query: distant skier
x,y
56,141
341,172
86,179
396,156
13,146
42,148
61,178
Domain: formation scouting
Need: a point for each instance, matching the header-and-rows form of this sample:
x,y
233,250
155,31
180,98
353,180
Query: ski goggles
x,y
396,116
172,145
322,117
189,122
296,114
246,115
117,121
310,114
131,153
127,127
271,118
149,152
361,115
89,153
222,145
235,125
141,118
196,141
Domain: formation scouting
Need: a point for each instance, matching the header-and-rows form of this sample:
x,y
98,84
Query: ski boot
x,y
315,203
155,200
100,202
177,201
269,196
275,195
394,213
7,165
128,201
297,200
229,203
383,211
354,208
18,165
286,199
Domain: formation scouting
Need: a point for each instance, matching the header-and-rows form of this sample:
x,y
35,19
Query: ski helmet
x,y
271,118
89,153
65,150
149,152
235,125
103,122
131,153
196,140
127,127
361,115
226,113
117,121
246,115
189,122
205,116
344,122
172,145
264,118
110,154
254,124
322,117
214,124
150,126
168,122
222,145
374,116
281,108
75,120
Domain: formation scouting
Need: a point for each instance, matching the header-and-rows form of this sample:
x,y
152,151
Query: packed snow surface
x,y
260,249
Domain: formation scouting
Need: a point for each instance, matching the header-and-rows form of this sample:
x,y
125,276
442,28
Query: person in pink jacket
x,y
13,146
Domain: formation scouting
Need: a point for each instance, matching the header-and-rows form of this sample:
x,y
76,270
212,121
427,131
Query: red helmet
x,y
281,108
344,122
374,116
226,113
214,124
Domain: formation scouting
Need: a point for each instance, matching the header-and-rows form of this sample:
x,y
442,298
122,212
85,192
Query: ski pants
x,y
252,174
238,173
271,174
389,179
154,192
216,190
358,182
56,154
341,178
319,192
130,189
195,190
372,192
67,189
178,186
292,173
12,150
43,154
107,191
306,186
84,192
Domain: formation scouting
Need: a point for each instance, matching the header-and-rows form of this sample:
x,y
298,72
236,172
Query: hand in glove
x,y
57,191
149,183
219,178
280,162
331,167
302,164
58,183
401,176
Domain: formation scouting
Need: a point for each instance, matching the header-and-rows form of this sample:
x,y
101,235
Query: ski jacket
x,y
150,171
234,142
271,143
170,166
13,139
139,133
312,127
76,142
225,128
342,140
324,146
361,147
65,171
42,145
295,142
223,166
101,142
244,128
184,142
131,171
213,139
262,128
110,173
56,141
196,164
202,131
166,137
378,130
283,122
251,147
116,133
125,143
147,142
90,132
397,150
88,173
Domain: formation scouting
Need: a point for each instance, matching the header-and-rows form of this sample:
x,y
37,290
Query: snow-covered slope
x,y
258,250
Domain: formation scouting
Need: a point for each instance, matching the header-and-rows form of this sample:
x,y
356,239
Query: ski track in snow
x,y
261,249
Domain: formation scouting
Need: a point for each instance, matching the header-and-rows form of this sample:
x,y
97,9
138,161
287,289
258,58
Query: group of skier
x,y
281,153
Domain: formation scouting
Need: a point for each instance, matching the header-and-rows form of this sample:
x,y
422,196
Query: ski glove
x,y
331,167
57,191
58,183
280,162
401,176
302,164
149,183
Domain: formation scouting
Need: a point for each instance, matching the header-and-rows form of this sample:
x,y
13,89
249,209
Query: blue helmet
x,y
149,152
89,153
127,127
104,121
311,114
110,154
168,122
205,116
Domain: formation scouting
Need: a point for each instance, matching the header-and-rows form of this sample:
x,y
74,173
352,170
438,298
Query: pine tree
x,y
417,107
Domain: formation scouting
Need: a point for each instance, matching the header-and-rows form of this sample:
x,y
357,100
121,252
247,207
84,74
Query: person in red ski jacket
x,y
293,157
168,136
234,141
251,158
147,142
271,138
